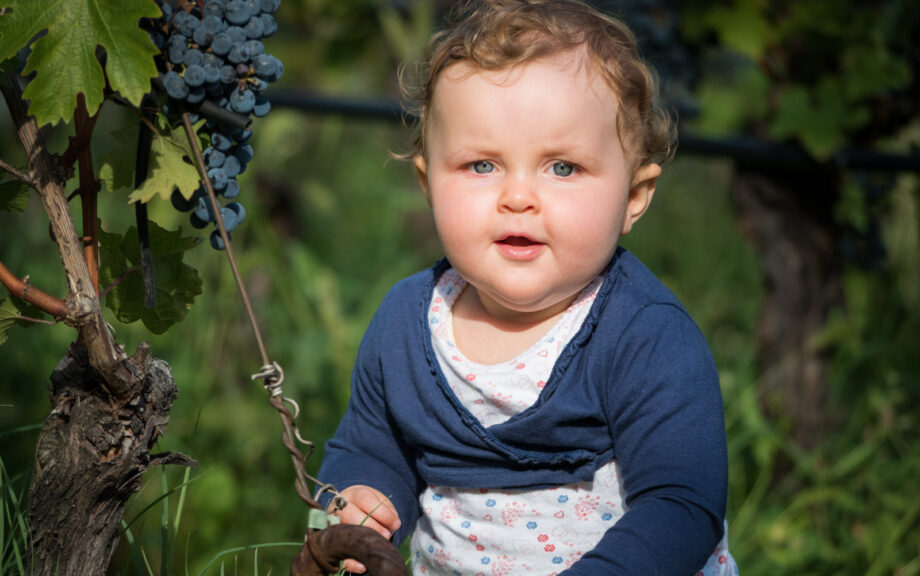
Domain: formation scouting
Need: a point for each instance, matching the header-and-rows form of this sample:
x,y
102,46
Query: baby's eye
x,y
563,169
482,167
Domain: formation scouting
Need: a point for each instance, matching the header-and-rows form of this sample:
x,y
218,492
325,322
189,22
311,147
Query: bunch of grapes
x,y
214,56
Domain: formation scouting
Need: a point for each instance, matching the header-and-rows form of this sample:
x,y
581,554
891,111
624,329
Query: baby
x,y
537,402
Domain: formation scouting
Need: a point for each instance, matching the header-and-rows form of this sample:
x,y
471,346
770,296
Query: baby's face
x,y
527,179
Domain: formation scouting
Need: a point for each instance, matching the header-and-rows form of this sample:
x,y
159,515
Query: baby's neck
x,y
486,337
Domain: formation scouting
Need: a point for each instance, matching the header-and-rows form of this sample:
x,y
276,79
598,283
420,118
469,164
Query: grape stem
x,y
290,434
89,194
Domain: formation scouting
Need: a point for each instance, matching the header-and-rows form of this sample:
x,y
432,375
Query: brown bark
x,y
90,457
788,220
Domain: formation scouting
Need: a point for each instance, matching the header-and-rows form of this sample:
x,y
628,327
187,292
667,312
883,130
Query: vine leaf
x,y
14,196
177,283
170,166
11,312
64,59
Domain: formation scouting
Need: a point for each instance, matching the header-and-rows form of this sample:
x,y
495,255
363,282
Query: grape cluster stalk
x,y
212,52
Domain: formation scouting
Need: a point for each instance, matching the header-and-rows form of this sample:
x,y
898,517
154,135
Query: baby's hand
x,y
368,507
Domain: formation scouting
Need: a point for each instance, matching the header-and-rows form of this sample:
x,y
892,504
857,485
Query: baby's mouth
x,y
518,241
520,248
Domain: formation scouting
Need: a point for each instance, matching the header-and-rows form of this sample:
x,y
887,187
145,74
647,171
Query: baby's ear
x,y
421,170
641,191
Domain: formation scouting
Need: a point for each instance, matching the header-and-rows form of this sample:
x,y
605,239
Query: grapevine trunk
x,y
91,454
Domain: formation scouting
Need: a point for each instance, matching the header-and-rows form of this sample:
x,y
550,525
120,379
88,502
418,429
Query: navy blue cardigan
x,y
636,383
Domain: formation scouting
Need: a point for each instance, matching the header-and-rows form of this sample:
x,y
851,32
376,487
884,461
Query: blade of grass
x,y
20,430
129,536
880,564
3,513
160,498
164,523
223,553
12,509
180,506
147,563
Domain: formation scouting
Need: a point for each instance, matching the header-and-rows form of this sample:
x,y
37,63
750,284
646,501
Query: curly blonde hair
x,y
499,34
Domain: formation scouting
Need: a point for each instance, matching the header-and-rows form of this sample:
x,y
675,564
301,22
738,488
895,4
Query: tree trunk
x,y
91,454
788,219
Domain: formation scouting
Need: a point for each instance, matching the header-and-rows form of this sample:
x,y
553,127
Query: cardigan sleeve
x,y
366,448
665,412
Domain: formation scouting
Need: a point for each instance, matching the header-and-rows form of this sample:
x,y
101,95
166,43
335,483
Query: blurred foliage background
x,y
334,222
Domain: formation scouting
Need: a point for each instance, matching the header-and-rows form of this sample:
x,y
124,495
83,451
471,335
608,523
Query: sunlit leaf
x,y
65,58
169,165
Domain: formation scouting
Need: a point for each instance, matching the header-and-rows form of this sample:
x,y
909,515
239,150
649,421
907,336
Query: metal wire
x,y
271,373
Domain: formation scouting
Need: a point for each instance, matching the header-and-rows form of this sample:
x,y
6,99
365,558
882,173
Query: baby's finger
x,y
351,515
354,566
378,507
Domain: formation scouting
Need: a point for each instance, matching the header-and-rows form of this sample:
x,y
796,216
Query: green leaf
x,y
11,312
64,59
743,28
871,71
117,171
8,316
729,104
819,117
177,284
14,196
170,165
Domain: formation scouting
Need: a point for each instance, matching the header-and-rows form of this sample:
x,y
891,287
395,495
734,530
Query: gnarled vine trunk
x,y
91,454
788,219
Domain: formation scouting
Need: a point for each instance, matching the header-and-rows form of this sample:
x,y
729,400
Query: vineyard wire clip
x,y
272,376
318,519
338,501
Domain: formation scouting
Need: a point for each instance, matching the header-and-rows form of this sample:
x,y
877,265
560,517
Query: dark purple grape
x,y
232,166
269,6
262,107
175,85
197,222
237,12
238,54
218,178
203,209
193,57
242,101
194,76
233,188
180,202
217,242
230,219
269,25
221,44
254,28
221,141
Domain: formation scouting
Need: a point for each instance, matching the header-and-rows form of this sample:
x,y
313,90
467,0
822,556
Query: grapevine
x,y
213,60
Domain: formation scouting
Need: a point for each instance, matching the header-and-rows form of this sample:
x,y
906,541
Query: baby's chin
x,y
525,307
